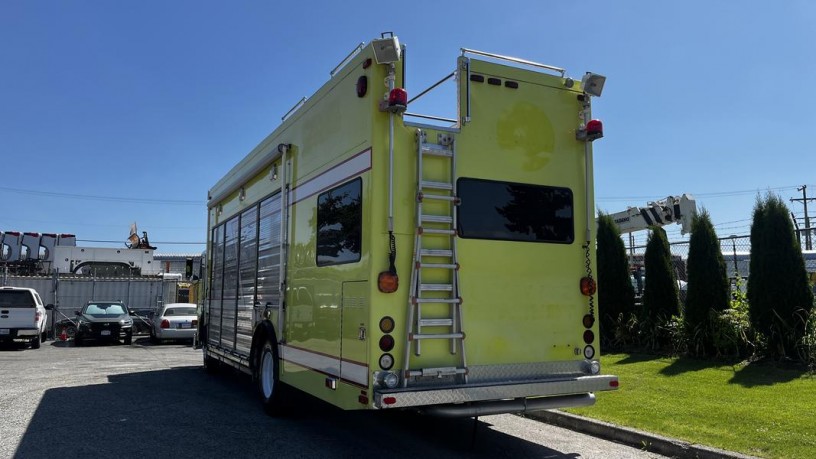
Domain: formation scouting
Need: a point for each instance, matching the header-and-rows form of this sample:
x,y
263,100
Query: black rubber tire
x,y
77,340
35,343
266,376
44,336
211,365
128,339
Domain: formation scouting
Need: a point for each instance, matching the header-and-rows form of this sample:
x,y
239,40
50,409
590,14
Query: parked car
x,y
104,321
174,321
22,316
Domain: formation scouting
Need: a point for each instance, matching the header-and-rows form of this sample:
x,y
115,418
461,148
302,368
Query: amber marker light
x,y
588,286
387,324
387,282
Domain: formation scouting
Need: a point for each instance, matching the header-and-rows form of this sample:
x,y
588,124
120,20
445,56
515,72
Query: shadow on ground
x,y
185,412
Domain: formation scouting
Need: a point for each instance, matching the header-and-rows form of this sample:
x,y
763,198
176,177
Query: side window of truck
x,y
339,224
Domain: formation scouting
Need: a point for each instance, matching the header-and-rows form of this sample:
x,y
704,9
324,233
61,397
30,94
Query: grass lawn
x,y
756,409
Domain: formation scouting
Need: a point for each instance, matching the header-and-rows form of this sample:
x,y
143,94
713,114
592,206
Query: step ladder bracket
x,y
439,372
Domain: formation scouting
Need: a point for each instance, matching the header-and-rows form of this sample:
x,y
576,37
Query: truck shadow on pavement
x,y
184,412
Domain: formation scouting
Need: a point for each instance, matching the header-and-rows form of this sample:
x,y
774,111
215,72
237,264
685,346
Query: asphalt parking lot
x,y
155,401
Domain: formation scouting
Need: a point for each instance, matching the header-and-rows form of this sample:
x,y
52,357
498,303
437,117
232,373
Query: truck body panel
x,y
317,210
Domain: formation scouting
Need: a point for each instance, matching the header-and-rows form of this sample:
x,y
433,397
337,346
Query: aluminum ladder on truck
x,y
435,256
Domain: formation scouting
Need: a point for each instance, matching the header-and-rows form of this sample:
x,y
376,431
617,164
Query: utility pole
x,y
804,199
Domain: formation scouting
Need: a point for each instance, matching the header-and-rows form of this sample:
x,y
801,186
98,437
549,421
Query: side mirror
x,y
49,307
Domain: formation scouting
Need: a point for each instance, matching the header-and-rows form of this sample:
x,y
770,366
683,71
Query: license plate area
x,y
5,331
105,333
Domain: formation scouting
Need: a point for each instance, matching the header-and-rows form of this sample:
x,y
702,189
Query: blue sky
x,y
121,112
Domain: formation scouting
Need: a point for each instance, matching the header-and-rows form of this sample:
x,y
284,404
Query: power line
x,y
152,242
177,202
715,194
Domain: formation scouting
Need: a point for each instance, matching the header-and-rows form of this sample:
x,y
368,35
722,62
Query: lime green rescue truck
x,y
378,259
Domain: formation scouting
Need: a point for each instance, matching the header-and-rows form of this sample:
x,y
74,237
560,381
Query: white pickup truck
x,y
22,316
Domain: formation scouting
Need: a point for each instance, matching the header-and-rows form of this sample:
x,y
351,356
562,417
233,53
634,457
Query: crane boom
x,y
673,209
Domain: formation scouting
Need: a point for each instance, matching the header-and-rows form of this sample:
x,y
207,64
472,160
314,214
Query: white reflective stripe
x,y
354,372
334,176
348,371
319,362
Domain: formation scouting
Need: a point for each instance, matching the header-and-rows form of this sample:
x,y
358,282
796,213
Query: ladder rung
x,y
447,322
437,372
416,336
436,253
436,150
438,265
436,218
436,185
438,197
436,287
447,232
437,300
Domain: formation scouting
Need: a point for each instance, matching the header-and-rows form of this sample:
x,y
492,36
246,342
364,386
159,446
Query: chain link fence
x,y
736,252
69,293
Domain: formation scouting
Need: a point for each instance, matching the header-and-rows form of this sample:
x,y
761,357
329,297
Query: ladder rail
x,y
448,292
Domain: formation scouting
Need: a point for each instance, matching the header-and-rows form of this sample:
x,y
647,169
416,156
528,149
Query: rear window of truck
x,y
514,211
16,299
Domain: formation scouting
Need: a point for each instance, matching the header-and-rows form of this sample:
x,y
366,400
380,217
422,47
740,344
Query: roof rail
x,y
516,60
347,58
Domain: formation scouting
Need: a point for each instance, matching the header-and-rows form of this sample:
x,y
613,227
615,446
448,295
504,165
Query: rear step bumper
x,y
519,405
499,397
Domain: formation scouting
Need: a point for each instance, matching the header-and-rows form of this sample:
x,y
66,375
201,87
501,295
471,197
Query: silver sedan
x,y
174,321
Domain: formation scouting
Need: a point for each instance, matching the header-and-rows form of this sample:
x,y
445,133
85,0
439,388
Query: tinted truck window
x,y
16,299
515,211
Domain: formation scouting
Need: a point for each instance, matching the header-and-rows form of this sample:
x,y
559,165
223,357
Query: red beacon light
x,y
397,100
594,129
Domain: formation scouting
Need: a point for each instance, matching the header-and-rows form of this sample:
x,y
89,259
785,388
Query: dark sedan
x,y
103,321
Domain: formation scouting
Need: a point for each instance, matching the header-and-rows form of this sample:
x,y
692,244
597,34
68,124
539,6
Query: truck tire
x,y
266,374
35,343
128,339
77,340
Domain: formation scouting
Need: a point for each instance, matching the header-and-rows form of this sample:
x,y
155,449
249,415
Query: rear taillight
x,y
165,324
37,316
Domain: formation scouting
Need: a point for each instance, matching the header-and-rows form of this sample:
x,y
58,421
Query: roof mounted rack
x,y
515,59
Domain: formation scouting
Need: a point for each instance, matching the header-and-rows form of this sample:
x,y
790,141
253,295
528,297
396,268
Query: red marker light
x,y
386,343
165,323
613,383
389,400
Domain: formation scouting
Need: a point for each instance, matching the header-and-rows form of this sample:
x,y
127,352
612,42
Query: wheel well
x,y
263,331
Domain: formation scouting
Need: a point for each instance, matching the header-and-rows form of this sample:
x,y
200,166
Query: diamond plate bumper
x,y
410,397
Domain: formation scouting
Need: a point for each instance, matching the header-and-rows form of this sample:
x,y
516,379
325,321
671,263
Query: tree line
x,y
769,314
